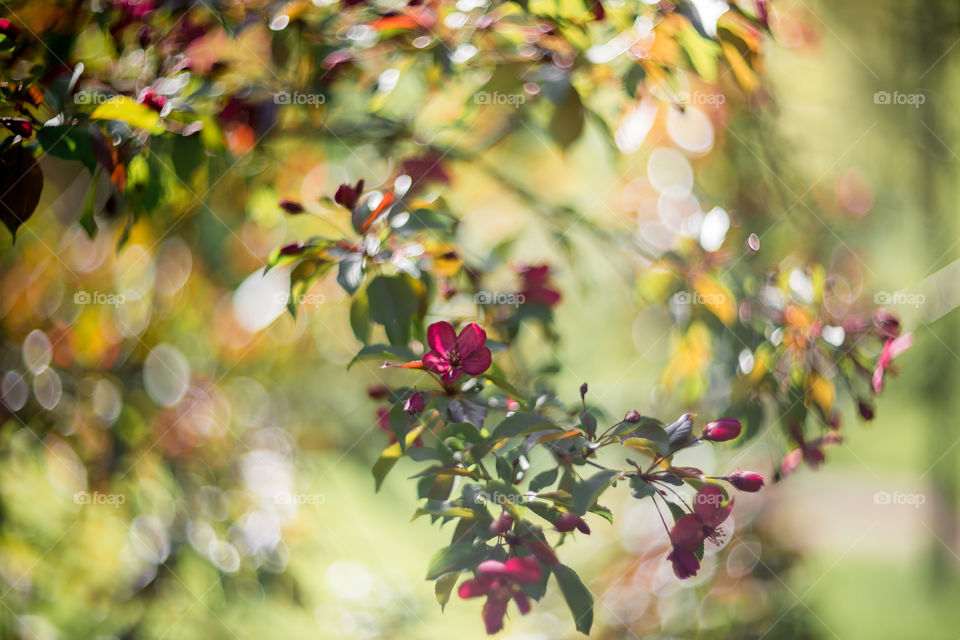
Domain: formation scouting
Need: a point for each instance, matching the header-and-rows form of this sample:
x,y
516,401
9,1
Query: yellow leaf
x,y
741,69
126,109
822,392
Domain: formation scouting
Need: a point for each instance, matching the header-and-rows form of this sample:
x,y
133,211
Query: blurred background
x,y
235,497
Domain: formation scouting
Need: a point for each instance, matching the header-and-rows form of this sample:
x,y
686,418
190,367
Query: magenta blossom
x,y
690,530
347,196
497,580
892,348
451,355
536,289
722,430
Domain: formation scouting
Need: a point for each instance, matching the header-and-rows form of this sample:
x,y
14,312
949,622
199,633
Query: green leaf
x,y
545,479
641,489
589,424
87,221
586,493
188,155
389,457
568,119
393,303
360,317
68,143
444,587
456,557
651,435
519,424
578,597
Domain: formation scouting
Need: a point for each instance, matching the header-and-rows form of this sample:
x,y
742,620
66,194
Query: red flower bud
x,y
632,417
415,403
746,480
566,522
887,324
378,391
865,410
347,196
502,524
19,126
290,206
722,430
292,249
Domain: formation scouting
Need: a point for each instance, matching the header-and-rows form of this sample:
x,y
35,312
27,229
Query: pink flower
x,y
497,581
892,348
721,430
746,480
451,355
690,530
810,452
535,288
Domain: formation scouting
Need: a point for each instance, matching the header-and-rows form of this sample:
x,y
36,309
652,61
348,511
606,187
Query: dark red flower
x,y
415,403
152,99
746,480
347,196
892,348
428,168
291,206
632,417
535,289
569,522
721,430
692,529
451,355
866,411
378,391
497,581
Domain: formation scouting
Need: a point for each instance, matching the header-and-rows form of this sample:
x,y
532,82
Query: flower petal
x,y
471,338
685,564
707,501
523,602
687,532
477,362
435,362
475,587
493,611
441,336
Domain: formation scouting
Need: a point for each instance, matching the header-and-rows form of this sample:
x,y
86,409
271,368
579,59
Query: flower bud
x,y
502,524
378,391
583,390
570,521
722,430
290,206
746,480
865,410
633,417
292,249
415,403
887,324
